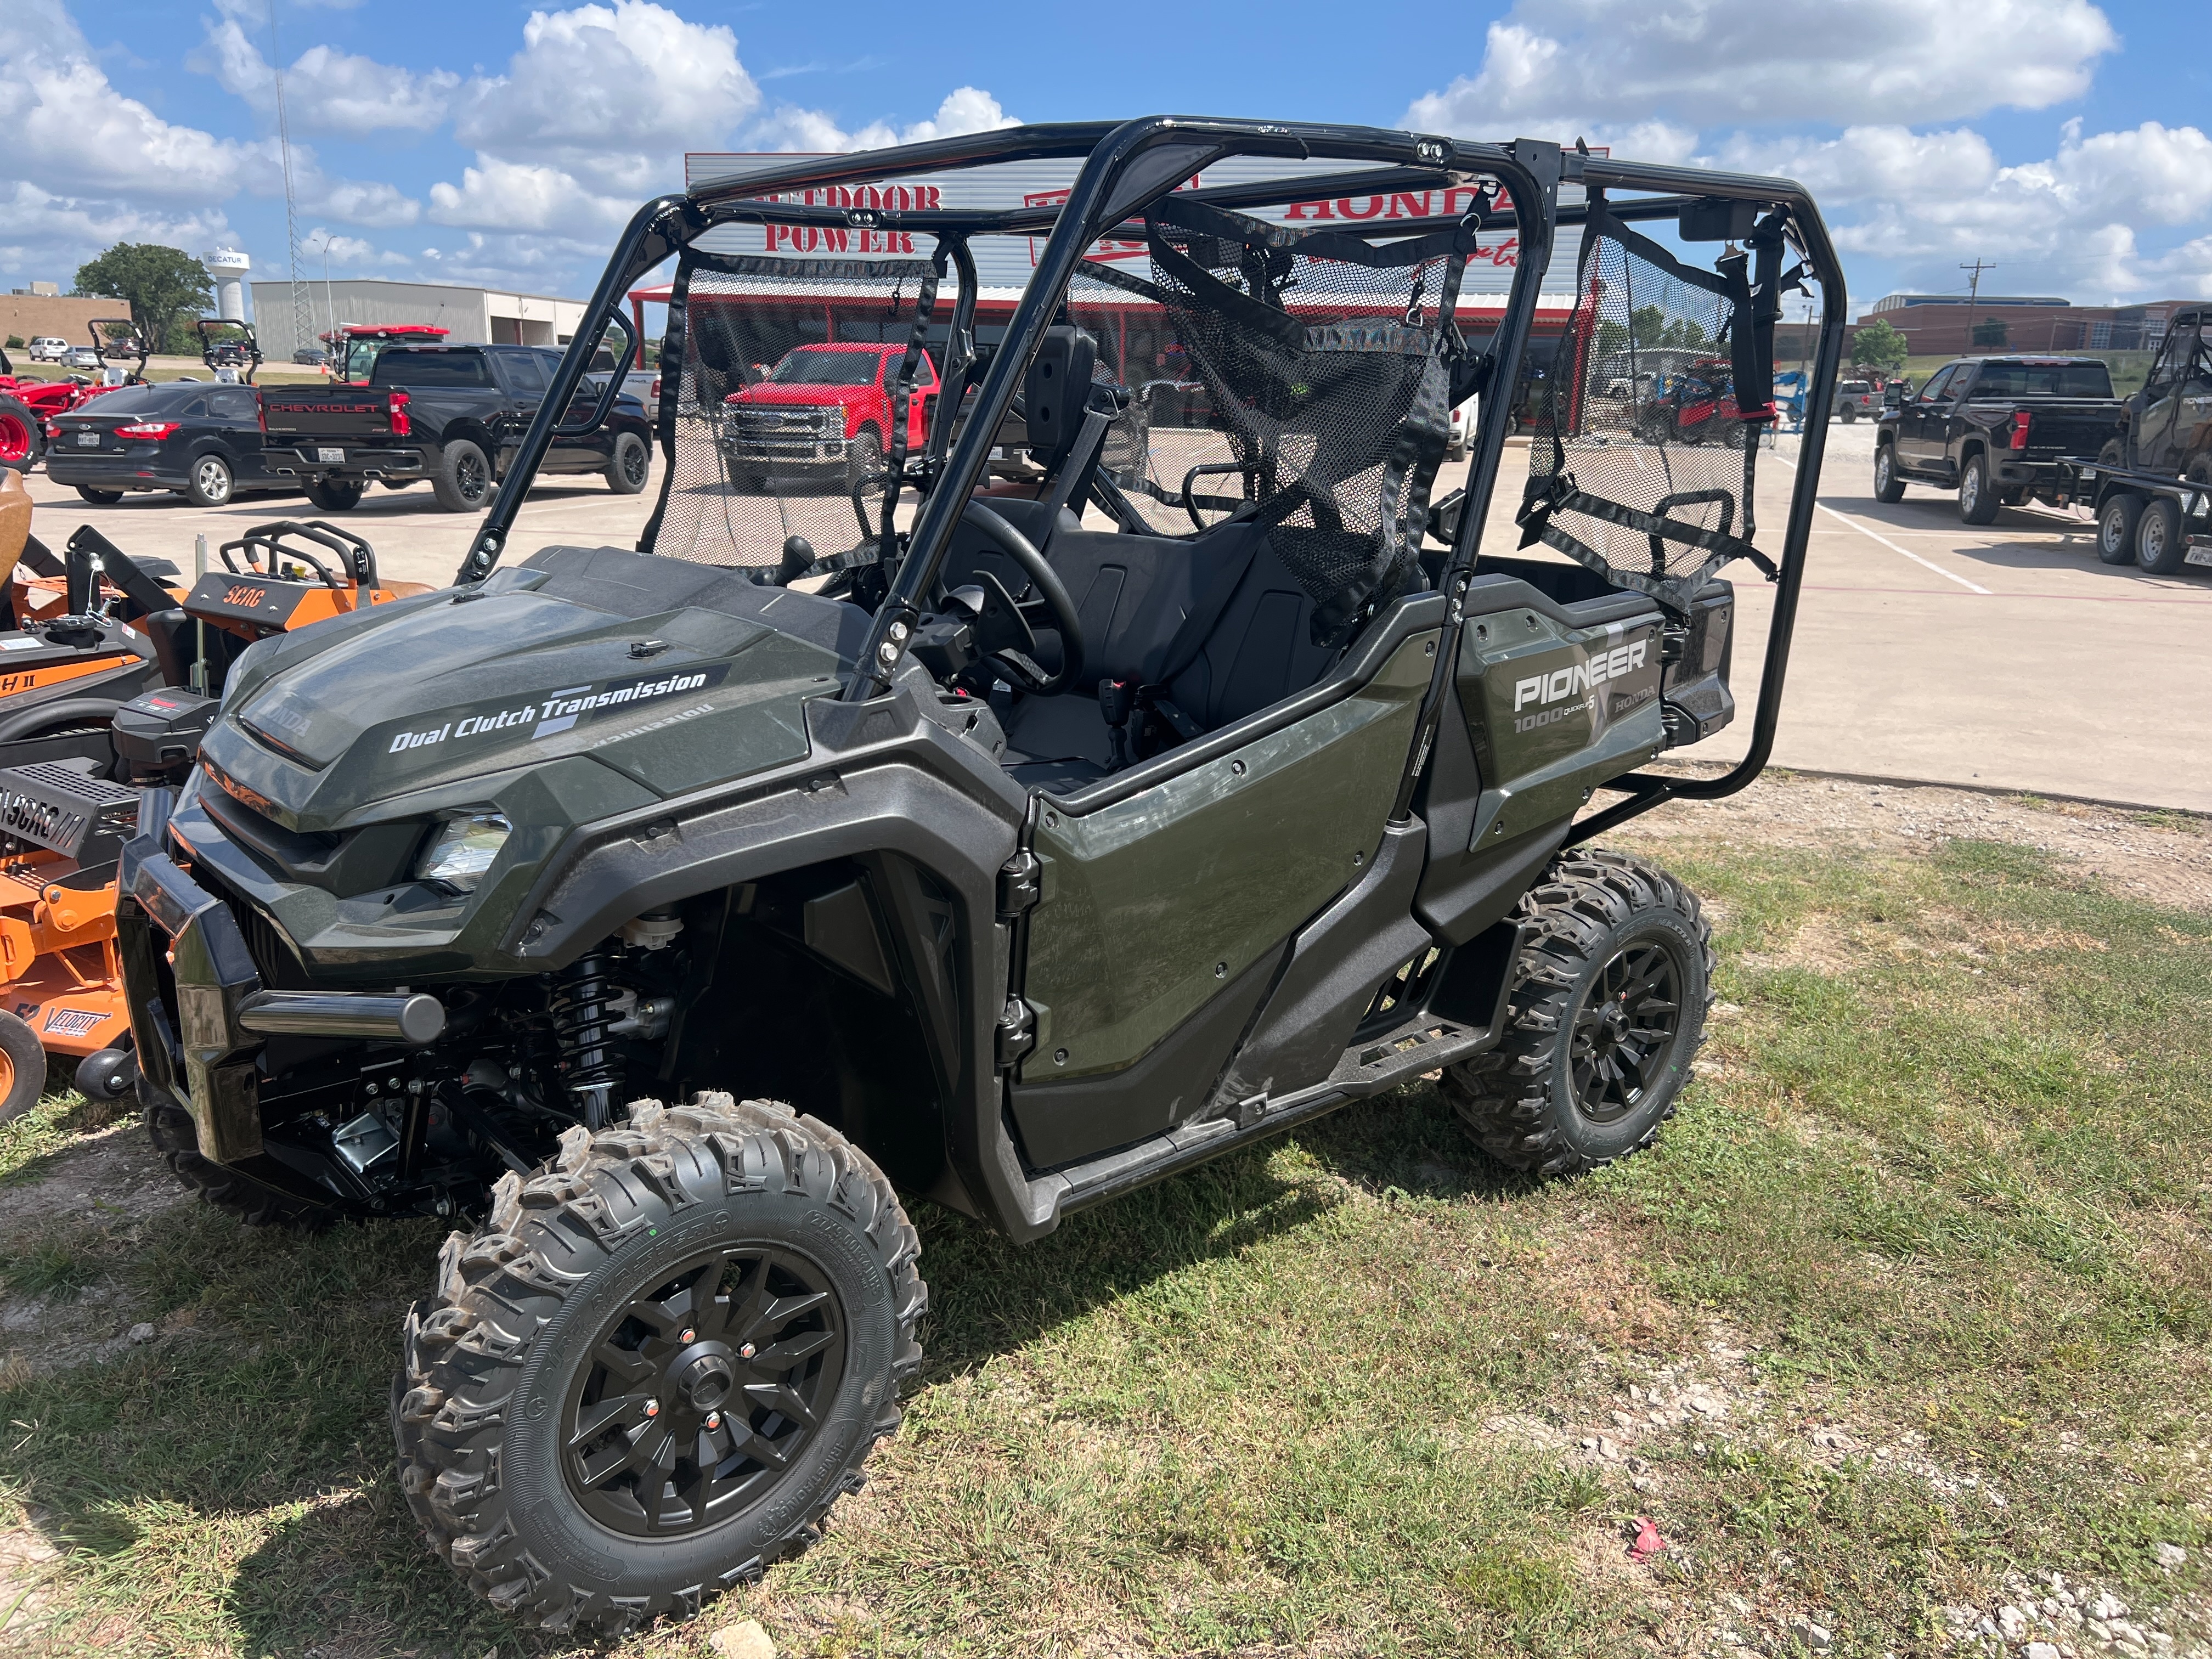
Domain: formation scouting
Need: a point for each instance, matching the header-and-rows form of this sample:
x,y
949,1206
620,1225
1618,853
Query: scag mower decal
x,y
557,711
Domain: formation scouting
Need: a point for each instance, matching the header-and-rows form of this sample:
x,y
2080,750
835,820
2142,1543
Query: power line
x,y
1973,295
303,296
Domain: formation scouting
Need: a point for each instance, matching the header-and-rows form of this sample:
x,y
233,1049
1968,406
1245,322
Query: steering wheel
x,y
1006,631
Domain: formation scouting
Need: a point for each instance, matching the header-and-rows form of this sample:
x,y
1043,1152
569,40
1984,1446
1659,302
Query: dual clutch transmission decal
x,y
552,711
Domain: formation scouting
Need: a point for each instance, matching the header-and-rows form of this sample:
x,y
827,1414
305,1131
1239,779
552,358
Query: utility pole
x,y
1973,296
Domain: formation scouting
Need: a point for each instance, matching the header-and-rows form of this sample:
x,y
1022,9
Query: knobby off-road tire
x,y
708,1309
170,1128
1606,1012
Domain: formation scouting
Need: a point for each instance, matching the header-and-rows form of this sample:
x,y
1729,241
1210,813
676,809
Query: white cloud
x,y
1562,67
966,109
349,256
327,90
498,195
49,236
376,206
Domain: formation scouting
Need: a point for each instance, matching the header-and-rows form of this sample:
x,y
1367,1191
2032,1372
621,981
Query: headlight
x,y
463,850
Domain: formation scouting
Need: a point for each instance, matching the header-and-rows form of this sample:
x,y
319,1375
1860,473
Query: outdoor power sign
x,y
1006,262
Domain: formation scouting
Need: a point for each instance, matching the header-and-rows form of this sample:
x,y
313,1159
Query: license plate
x,y
87,441
2197,556
335,457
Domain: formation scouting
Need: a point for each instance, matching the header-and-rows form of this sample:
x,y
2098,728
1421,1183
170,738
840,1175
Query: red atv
x,y
1695,405
29,409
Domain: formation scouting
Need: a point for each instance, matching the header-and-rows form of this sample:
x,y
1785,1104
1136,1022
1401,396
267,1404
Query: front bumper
x,y
200,1027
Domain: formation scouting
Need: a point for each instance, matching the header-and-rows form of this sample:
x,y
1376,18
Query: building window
x,y
2100,336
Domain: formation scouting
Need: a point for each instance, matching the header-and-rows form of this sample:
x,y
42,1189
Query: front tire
x,y
22,1067
1608,1010
657,1365
1977,502
864,461
2159,548
169,1127
2116,528
630,466
23,439
1888,486
464,481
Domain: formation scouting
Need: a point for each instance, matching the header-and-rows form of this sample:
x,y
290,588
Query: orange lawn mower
x,y
64,820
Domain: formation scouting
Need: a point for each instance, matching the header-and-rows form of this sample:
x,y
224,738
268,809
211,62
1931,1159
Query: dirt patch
x,y
2163,858
114,1175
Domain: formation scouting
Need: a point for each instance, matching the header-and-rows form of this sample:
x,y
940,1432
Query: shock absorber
x,y
589,1064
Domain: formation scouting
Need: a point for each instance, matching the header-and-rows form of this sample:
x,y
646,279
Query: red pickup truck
x,y
822,414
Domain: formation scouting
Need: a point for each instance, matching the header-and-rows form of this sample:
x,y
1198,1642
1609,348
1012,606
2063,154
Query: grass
x,y
1934,1232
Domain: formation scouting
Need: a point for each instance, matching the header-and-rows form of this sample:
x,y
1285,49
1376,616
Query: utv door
x,y
1166,912
2176,401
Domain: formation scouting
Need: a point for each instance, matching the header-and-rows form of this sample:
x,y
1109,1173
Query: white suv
x,y
49,348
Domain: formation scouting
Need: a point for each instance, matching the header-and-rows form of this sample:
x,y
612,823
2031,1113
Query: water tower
x,y
228,268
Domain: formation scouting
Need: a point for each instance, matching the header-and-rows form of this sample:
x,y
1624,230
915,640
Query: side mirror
x,y
1893,397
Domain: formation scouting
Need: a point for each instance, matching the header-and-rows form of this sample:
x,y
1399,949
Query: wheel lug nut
x,y
714,1420
687,1334
745,1352
652,1408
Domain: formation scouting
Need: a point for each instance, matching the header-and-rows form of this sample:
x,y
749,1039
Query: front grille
x,y
274,959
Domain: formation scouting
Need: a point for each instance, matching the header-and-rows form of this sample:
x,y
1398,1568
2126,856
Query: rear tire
x,y
1851,414
334,496
630,466
100,497
22,1067
23,439
605,1317
1888,486
1608,1011
464,480
211,483
2116,528
864,461
1977,502
2159,548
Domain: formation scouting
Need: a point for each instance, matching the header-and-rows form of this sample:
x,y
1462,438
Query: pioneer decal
x,y
553,712
1603,665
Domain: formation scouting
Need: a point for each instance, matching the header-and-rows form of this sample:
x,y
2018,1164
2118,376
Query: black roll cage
x,y
1125,166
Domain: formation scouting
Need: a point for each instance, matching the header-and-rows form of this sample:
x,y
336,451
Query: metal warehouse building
x,y
475,315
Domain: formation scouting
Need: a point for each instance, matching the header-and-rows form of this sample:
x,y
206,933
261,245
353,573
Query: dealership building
x,y
473,316
1945,325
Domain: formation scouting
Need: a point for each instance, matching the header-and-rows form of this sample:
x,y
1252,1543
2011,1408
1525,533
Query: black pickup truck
x,y
1997,430
449,415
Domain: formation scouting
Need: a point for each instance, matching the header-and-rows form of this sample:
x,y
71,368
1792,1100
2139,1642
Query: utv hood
x,y
674,675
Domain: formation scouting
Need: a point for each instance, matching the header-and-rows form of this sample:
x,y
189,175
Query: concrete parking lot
x,y
2001,657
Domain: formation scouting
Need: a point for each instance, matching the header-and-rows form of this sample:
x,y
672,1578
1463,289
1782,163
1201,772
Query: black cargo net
x,y
1304,379
802,383
1646,429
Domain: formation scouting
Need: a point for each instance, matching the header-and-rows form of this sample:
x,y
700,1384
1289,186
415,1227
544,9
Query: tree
x,y
1991,331
1879,345
164,287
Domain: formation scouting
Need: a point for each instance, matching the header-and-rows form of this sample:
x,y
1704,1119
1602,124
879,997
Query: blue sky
x,y
2061,139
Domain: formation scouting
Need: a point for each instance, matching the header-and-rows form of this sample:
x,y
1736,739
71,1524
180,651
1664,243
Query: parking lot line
x,y
1907,552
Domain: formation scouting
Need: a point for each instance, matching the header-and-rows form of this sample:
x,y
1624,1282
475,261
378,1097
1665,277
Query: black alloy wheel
x,y
1625,1029
630,466
702,1391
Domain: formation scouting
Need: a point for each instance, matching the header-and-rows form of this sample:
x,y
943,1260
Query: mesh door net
x,y
1305,378
1642,460
787,417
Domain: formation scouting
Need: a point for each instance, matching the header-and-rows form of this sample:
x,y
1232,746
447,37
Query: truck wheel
x,y
1851,414
209,483
1888,486
864,461
1977,502
22,1067
22,438
630,465
652,1371
2116,528
2159,548
1609,1008
335,494
463,482
169,1127
100,497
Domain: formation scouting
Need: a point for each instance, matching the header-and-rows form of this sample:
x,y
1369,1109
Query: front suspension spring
x,y
590,1065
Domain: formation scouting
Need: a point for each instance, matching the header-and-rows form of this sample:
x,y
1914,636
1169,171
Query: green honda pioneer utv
x,y
1007,831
